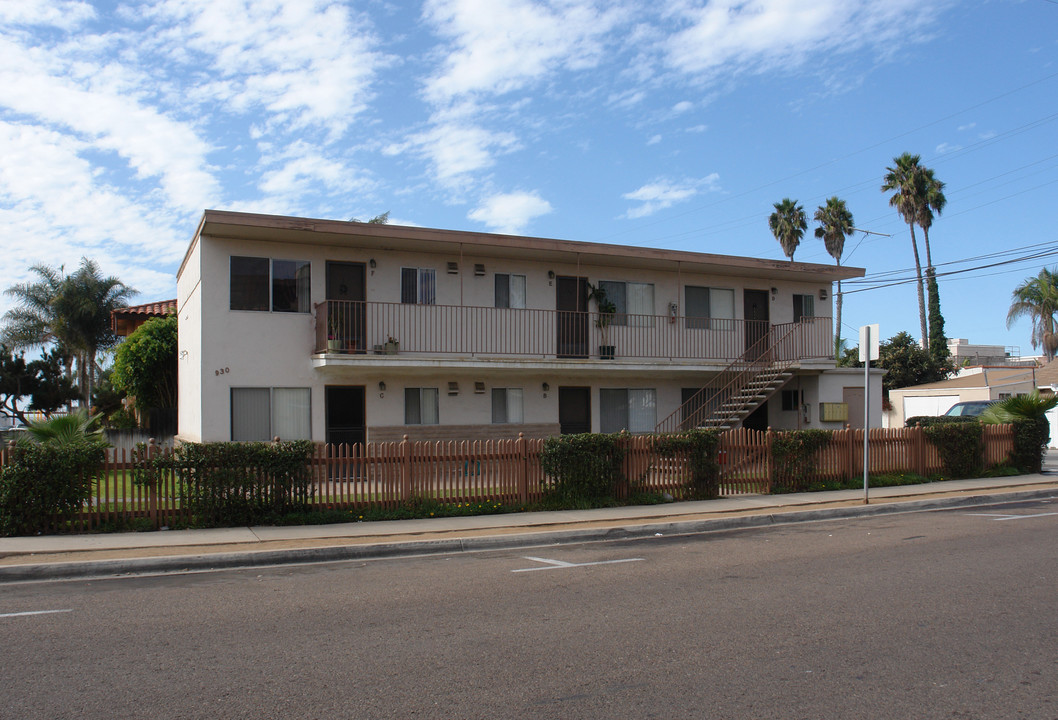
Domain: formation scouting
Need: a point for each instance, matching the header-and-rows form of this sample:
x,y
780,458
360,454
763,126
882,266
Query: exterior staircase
x,y
739,389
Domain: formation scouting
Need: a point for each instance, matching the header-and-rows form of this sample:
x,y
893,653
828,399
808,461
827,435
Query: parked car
x,y
971,408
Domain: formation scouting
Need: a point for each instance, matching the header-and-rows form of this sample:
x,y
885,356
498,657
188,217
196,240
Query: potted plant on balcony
x,y
605,317
392,346
334,327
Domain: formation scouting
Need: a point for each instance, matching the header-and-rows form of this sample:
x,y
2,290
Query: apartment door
x,y
574,410
758,322
571,302
853,397
346,310
346,414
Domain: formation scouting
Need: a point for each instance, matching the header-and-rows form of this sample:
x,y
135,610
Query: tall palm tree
x,y
931,201
835,224
905,181
1037,299
72,311
788,224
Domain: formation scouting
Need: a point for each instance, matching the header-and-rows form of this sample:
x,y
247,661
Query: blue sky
x,y
663,124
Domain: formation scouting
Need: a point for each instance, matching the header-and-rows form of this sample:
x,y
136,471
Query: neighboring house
x,y
124,321
966,354
984,383
344,332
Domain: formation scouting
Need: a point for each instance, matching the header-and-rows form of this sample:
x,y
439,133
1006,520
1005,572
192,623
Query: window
x,y
510,291
804,306
507,405
707,307
420,406
791,400
634,302
264,413
262,284
418,286
634,410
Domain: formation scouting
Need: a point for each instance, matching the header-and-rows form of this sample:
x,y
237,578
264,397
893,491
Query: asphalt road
x,y
944,614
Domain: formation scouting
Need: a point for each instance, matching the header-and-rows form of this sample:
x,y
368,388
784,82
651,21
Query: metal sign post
x,y
868,351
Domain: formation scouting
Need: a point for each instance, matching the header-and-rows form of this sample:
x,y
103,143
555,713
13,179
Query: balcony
x,y
352,329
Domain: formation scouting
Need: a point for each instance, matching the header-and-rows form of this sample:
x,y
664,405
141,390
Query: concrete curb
x,y
271,558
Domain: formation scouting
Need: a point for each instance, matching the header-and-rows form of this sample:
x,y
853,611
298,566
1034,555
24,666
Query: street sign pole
x,y
869,350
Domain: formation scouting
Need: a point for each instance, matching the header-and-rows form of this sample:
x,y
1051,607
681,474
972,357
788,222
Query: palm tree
x,y
835,224
905,181
70,311
788,224
1037,298
930,202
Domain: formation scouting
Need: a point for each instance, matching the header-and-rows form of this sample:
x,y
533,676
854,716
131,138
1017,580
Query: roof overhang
x,y
349,234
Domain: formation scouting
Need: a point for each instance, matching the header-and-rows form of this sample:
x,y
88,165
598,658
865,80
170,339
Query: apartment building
x,y
345,332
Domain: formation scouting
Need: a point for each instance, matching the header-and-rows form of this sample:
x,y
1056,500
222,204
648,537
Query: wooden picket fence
x,y
388,474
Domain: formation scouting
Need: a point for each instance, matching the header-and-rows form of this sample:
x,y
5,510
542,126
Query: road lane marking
x,y
1000,516
32,612
560,564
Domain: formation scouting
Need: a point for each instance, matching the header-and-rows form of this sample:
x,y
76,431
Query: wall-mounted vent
x,y
453,268
479,388
479,269
453,388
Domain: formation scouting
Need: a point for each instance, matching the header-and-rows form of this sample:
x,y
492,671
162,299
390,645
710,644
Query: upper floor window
x,y
507,405
418,286
707,307
634,302
510,291
804,306
263,284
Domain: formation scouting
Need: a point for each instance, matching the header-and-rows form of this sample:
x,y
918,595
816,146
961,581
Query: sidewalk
x,y
63,556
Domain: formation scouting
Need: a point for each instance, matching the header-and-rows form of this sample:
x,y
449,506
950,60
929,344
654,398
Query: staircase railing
x,y
763,355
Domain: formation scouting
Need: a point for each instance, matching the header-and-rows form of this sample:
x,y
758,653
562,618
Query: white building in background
x,y
344,331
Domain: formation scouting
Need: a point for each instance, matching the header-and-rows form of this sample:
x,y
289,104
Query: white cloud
x,y
654,140
510,213
455,150
65,14
100,104
760,35
55,209
682,107
946,148
503,45
304,169
306,62
661,194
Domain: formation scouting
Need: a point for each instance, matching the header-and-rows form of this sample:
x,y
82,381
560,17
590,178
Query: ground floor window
x,y
420,406
631,409
507,405
265,413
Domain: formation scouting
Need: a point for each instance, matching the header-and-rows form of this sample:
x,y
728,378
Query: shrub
x,y
700,448
43,483
794,454
1030,443
226,484
927,420
584,467
960,447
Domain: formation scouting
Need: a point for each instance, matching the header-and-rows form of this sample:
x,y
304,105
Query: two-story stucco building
x,y
343,332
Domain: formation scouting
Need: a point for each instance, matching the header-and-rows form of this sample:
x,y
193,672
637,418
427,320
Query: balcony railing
x,y
424,330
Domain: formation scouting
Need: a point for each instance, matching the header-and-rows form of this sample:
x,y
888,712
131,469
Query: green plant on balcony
x,y
603,319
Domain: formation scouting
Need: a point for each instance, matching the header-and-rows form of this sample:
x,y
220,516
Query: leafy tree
x,y
905,362
905,181
938,343
382,219
71,311
835,224
788,224
145,364
106,399
42,380
1037,299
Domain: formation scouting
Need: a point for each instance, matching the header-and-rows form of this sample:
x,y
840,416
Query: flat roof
x,y
351,234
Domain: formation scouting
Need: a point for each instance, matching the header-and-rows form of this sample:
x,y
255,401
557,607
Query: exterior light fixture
x,y
372,263
774,293
546,387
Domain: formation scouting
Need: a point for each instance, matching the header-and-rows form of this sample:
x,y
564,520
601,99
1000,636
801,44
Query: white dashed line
x,y
32,612
559,564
